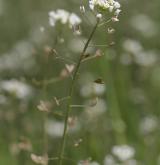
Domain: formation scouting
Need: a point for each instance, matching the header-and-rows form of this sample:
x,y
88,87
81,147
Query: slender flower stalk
x,y
61,154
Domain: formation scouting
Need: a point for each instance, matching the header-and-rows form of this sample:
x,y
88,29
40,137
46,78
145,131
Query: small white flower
x,y
115,19
91,4
64,17
52,19
82,9
74,20
99,16
105,5
117,12
111,30
60,15
116,5
111,8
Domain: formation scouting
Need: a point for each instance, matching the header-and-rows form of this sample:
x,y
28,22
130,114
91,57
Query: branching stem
x,y
71,94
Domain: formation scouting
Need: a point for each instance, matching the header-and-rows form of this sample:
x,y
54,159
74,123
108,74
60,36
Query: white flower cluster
x,y
64,17
17,88
105,5
54,128
135,52
123,152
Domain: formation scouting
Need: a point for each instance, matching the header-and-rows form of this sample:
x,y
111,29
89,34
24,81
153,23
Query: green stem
x,y
114,107
71,94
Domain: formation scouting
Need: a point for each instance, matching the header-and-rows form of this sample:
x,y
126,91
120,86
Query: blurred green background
x,y
128,108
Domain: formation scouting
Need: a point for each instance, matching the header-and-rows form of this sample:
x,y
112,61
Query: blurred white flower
x,y
89,89
116,4
99,89
64,17
74,19
139,55
19,89
54,128
76,45
132,46
86,90
117,12
19,57
82,9
58,15
104,4
123,152
148,124
96,110
144,25
99,16
146,58
109,160
37,35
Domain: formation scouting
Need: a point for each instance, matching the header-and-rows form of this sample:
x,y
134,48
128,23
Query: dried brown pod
x,y
86,55
77,142
67,70
110,30
72,121
44,106
112,44
47,49
54,51
25,144
50,51
99,81
76,29
43,160
98,53
56,101
70,68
